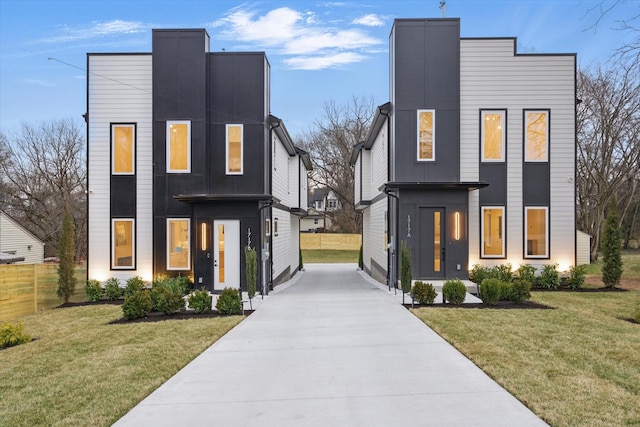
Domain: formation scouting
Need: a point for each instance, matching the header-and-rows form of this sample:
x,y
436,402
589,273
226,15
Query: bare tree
x,y
329,143
608,164
44,175
628,52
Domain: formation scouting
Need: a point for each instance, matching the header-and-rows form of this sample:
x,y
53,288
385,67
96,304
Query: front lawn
x,y
82,371
329,256
576,365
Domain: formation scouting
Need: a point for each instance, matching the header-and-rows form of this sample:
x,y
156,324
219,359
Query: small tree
x,y
611,258
66,253
360,262
405,268
251,264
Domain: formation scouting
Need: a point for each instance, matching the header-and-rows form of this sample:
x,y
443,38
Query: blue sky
x,y
318,50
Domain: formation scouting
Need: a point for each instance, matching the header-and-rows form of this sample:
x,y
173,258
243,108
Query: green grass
x,y
330,256
82,371
630,265
576,365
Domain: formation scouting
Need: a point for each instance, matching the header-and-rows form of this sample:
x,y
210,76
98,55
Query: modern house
x,y
187,166
17,244
321,201
473,159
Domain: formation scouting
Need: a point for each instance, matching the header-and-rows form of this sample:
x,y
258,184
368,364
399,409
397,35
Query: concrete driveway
x,y
330,350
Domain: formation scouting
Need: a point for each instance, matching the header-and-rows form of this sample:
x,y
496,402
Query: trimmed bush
x,y
454,291
527,273
200,301
133,284
520,291
478,273
251,263
93,290
183,283
549,278
166,297
405,267
12,334
505,290
610,247
229,302
490,291
112,289
502,273
423,293
360,262
137,305
575,280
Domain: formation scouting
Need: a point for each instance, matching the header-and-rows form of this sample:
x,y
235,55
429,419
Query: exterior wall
x,y
365,176
15,238
583,249
119,91
283,177
492,76
283,249
303,200
357,184
374,240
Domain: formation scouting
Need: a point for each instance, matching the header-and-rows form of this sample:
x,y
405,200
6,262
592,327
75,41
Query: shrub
x,y
137,305
12,334
611,257
478,273
112,289
166,297
454,291
229,302
576,276
66,253
636,316
360,262
183,283
505,290
200,301
527,273
93,290
133,284
549,278
490,291
423,293
501,272
405,267
520,291
251,262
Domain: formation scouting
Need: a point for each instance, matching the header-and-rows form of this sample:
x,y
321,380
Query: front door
x,y
432,248
226,254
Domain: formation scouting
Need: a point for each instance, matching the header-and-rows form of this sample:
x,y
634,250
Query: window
x,y
275,227
315,221
426,135
122,243
536,232
536,136
493,232
492,135
178,244
179,146
123,149
234,149
267,227
332,204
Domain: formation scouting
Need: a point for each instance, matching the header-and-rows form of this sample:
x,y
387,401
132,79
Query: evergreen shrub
x,y
527,273
200,301
520,291
133,284
137,305
229,302
549,277
12,334
454,291
112,289
94,291
166,297
575,280
478,273
490,291
423,293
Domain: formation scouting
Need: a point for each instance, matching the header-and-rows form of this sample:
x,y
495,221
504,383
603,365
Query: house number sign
x,y
408,226
249,237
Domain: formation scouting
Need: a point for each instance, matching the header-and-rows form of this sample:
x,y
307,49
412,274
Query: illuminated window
x,y
492,136
123,149
426,135
536,232
122,243
234,149
178,244
493,232
178,146
536,142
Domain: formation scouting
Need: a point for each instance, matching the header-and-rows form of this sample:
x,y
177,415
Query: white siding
x,y
303,195
15,238
119,91
286,244
365,178
358,179
379,161
492,77
281,174
583,248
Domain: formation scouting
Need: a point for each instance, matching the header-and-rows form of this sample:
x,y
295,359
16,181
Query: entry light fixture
x,y
457,226
203,236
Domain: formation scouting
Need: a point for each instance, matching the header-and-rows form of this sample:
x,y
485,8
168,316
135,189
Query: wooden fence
x,y
29,288
330,241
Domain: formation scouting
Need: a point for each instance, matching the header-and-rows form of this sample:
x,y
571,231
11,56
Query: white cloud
x,y
370,20
39,82
322,62
96,30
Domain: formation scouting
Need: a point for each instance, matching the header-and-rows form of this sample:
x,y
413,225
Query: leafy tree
x,y
611,258
66,253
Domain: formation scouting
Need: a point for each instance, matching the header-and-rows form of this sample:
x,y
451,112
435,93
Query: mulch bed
x,y
502,305
86,303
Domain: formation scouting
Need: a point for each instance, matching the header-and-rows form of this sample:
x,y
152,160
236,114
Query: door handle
x,y
215,262
443,254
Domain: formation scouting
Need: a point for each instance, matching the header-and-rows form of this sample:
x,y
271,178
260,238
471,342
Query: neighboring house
x,y
473,160
187,167
17,245
321,201
315,221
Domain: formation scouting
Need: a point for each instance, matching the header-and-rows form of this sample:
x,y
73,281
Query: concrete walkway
x,y
330,350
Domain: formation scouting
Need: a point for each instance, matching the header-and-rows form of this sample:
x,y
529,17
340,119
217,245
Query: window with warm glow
x,y
426,134
122,243
234,149
178,146
492,232
536,232
122,149
178,244
536,136
493,136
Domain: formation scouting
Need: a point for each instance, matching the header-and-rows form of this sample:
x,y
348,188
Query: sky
x,y
319,51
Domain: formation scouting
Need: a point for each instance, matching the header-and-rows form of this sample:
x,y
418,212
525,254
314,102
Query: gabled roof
x,y
381,116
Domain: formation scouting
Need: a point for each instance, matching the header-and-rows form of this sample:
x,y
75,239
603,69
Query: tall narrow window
x,y
234,149
492,135
536,232
493,232
536,134
122,243
123,149
437,241
179,146
178,244
426,135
